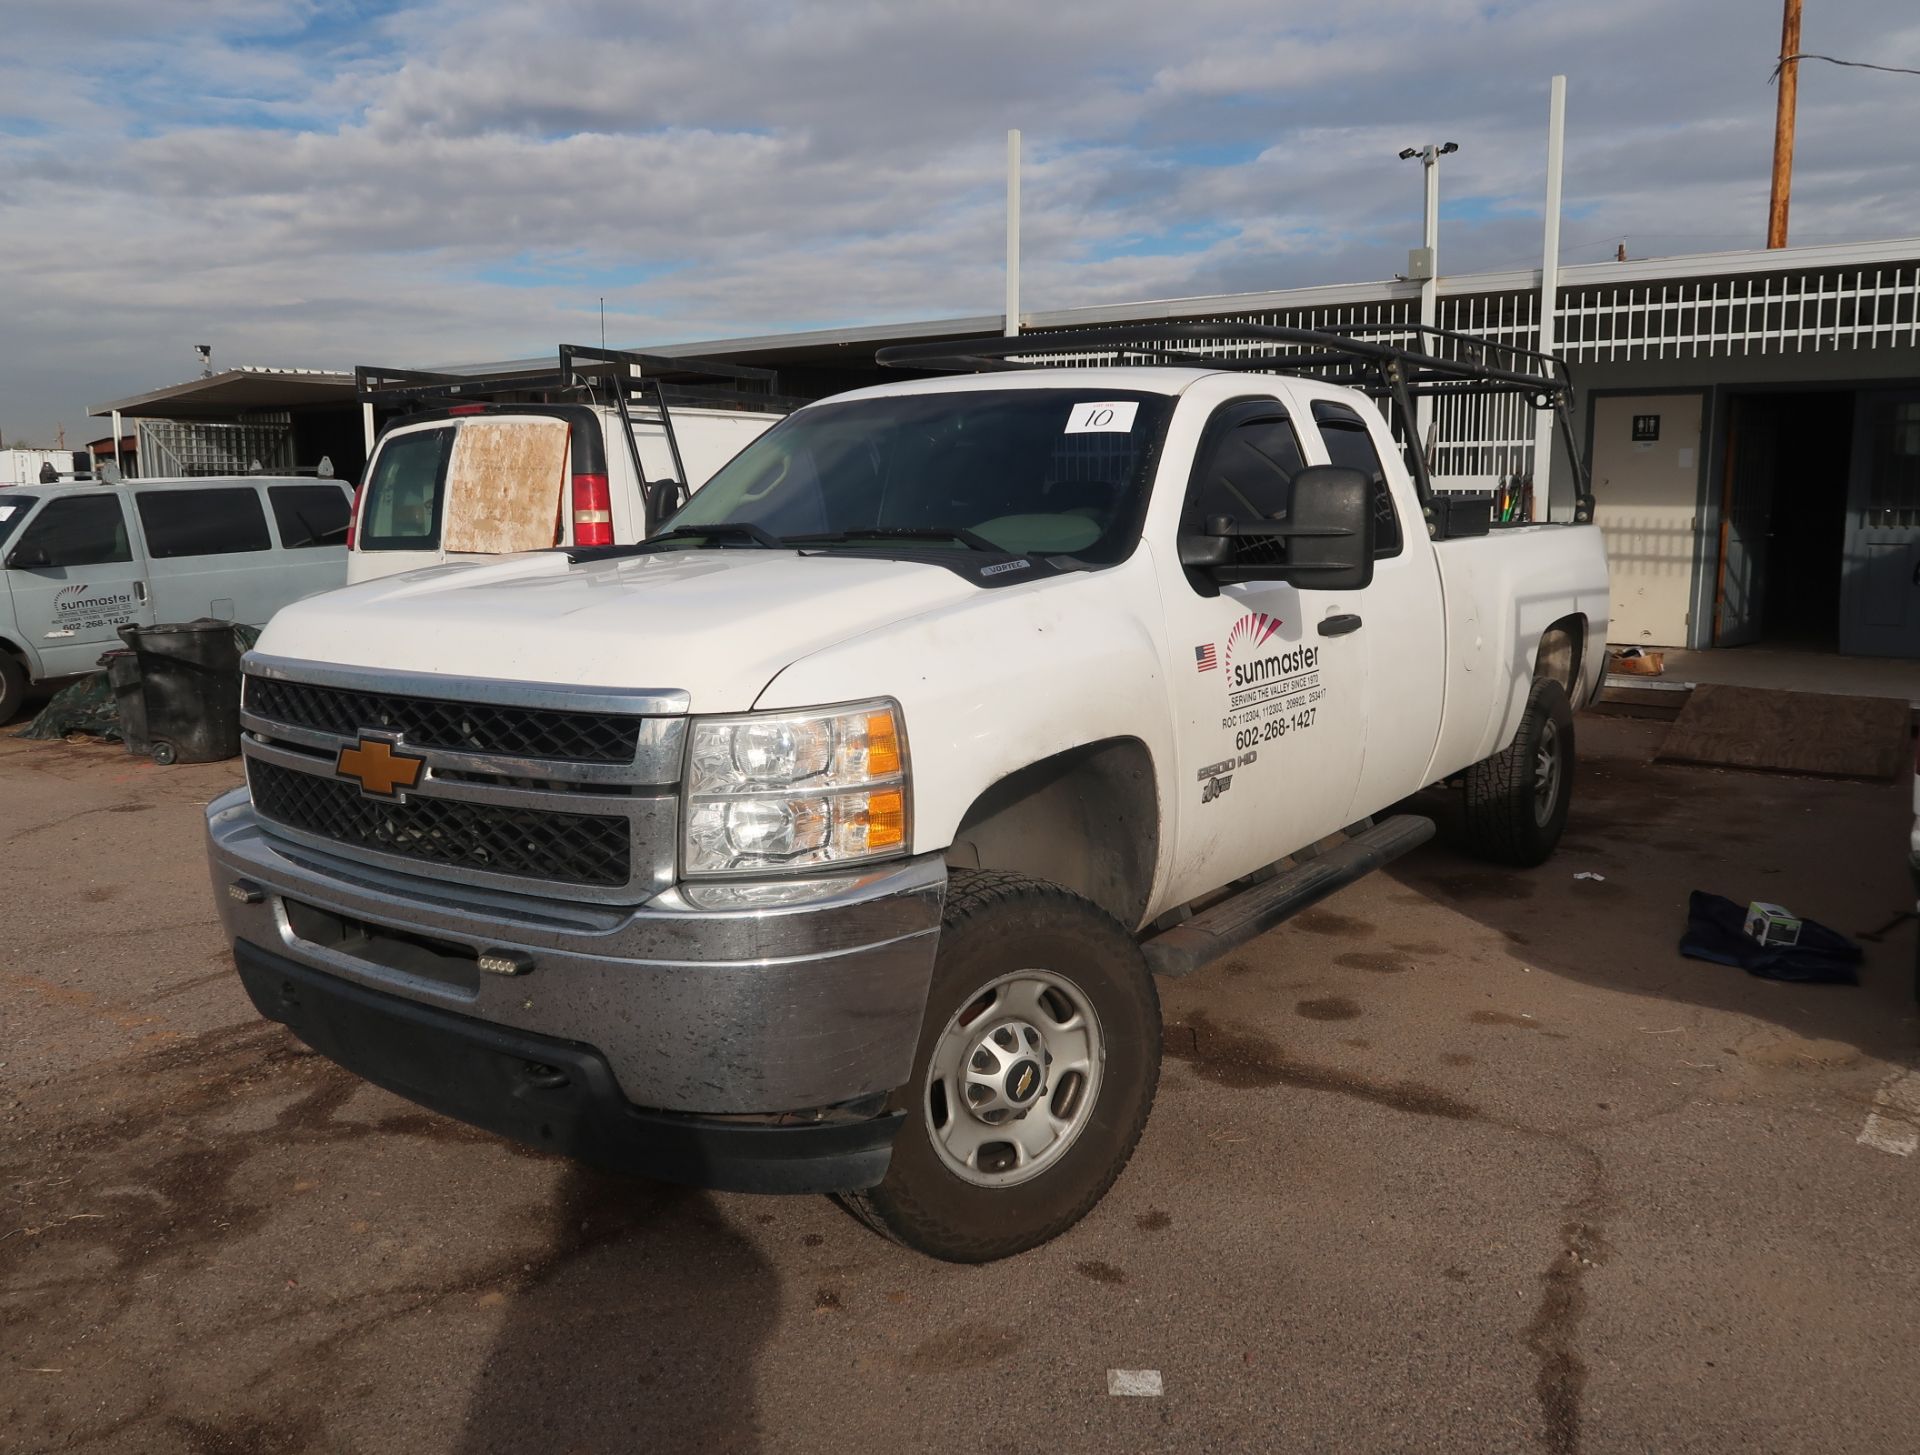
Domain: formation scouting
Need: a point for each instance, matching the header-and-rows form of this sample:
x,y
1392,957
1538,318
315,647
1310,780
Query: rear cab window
x,y
222,521
309,515
402,508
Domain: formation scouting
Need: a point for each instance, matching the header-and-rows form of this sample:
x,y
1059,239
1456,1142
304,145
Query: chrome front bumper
x,y
697,1006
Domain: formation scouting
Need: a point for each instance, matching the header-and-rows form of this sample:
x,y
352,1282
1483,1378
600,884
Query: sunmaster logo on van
x,y
86,605
1257,673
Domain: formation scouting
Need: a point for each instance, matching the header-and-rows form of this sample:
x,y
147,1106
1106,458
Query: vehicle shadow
x,y
637,1330
1830,850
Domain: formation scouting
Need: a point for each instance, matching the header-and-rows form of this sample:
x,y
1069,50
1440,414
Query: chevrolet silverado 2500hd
x,y
830,839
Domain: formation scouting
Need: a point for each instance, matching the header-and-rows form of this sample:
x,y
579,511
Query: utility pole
x,y
1012,325
1549,288
1425,265
1783,125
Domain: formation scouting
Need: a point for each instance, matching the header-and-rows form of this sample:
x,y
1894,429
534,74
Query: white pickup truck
x,y
830,840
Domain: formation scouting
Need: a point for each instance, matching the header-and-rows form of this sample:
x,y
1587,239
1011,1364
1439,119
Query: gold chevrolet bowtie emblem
x,y
377,768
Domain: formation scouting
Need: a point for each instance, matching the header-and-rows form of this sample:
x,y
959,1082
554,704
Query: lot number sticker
x,y
1114,417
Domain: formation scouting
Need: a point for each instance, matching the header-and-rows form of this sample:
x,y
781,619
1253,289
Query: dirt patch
x,y
1153,1220
1503,1018
1379,964
1099,1272
1245,1061
1327,1008
1455,1058
1480,884
965,1346
1326,922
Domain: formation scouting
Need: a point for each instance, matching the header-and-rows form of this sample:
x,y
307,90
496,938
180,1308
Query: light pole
x,y
1424,265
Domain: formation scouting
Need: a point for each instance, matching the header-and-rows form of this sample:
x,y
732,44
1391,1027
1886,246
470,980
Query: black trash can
x,y
190,687
129,698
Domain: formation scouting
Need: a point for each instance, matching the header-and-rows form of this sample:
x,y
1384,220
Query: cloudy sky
x,y
331,182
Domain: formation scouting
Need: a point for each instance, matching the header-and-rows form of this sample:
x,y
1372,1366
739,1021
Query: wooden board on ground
x,y
503,486
1790,732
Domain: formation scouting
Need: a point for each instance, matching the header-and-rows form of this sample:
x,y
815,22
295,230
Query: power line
x,y
1835,61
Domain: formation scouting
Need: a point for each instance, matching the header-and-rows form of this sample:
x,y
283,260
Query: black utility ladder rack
x,y
1446,364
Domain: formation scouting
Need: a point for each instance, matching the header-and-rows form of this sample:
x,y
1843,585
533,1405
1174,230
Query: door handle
x,y
140,591
1339,624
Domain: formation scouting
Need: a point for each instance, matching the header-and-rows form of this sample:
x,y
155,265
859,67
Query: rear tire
x,y
1516,801
1036,1069
13,687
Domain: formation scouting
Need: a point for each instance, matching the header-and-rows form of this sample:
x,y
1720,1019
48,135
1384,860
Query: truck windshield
x,y
1042,471
402,508
13,509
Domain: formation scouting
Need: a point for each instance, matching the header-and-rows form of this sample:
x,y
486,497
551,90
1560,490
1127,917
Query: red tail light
x,y
353,514
592,511
467,409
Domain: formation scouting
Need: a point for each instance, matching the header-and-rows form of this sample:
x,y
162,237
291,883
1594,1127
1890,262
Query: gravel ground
x,y
1463,1159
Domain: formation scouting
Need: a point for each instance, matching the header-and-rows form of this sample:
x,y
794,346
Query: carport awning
x,y
235,391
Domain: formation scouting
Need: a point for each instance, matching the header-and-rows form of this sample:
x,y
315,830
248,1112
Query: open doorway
x,y
1784,520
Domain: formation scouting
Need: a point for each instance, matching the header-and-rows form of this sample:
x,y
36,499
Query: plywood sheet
x,y
1791,732
503,486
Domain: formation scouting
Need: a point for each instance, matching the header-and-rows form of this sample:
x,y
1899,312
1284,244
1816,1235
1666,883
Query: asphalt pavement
x,y
1463,1159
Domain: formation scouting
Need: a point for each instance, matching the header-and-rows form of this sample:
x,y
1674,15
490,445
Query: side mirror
x,y
1328,533
30,557
663,498
1330,547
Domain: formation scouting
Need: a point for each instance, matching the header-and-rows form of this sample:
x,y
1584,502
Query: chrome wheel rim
x,y
1546,773
1014,1078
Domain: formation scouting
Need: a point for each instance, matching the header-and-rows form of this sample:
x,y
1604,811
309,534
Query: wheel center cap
x,y
1005,1071
1023,1082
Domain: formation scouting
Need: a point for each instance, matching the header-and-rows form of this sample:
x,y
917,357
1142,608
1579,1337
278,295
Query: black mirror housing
x,y
664,497
1329,531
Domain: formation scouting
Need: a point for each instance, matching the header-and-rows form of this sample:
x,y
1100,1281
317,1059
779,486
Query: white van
x,y
80,560
474,481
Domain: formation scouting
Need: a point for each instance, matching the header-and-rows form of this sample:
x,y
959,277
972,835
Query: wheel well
x,y
1562,647
1087,819
14,652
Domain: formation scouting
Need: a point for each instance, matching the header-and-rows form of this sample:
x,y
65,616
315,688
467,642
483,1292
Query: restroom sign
x,y
1646,429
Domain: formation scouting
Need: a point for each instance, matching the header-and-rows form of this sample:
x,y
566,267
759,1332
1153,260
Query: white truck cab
x,y
831,838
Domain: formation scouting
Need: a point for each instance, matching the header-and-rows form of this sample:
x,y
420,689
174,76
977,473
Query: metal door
x,y
1746,523
1880,580
1646,482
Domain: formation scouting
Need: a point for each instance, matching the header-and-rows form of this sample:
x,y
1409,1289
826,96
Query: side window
x,y
1349,444
80,530
1247,474
217,522
309,515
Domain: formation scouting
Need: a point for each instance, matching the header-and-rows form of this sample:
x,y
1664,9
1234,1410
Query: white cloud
x,y
325,182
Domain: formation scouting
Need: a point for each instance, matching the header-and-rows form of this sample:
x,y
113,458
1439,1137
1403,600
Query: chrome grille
x,y
568,848
467,727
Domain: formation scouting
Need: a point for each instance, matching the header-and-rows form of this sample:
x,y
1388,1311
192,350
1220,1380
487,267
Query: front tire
x,y
1517,800
1036,1069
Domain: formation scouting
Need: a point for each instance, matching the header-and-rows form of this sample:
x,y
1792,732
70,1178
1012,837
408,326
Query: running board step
x,y
1231,923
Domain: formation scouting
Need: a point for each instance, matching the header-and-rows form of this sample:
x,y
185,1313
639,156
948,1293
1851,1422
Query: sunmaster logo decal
x,y
82,606
1256,674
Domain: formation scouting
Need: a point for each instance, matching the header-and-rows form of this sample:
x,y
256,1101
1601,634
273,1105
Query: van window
x,y
1349,444
309,515
13,510
219,522
78,530
402,508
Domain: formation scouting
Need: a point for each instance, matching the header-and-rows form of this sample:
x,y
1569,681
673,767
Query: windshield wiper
x,y
956,533
730,532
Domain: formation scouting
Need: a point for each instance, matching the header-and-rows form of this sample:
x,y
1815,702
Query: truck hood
x,y
719,624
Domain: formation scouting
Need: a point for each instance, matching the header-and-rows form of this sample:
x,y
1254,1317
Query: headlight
x,y
775,791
